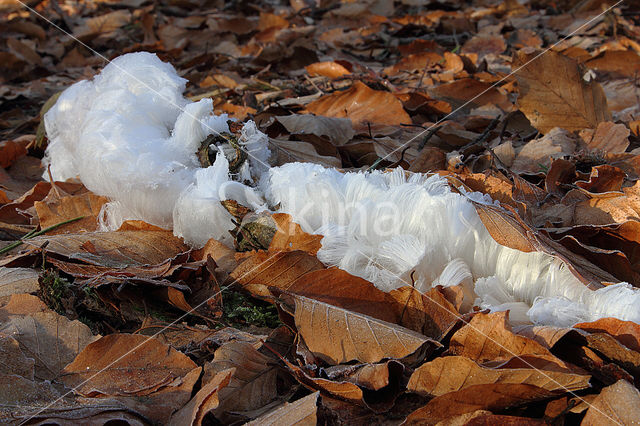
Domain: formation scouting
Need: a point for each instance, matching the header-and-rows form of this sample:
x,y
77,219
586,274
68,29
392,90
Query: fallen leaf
x,y
125,365
415,62
611,208
362,105
454,373
303,412
603,178
10,151
469,93
553,92
102,24
328,69
114,249
262,269
18,280
292,151
253,383
626,332
617,63
337,335
618,404
537,154
52,213
289,236
492,397
203,402
338,130
51,339
14,360
607,137
488,337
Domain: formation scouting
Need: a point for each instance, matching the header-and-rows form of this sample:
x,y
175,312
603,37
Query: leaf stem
x,y
33,233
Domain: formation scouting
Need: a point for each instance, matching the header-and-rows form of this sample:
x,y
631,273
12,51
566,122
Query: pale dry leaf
x,y
492,397
338,130
618,404
115,249
203,402
18,280
450,374
289,236
14,360
328,69
261,269
292,151
303,412
102,24
362,105
51,339
607,137
253,384
87,205
537,155
553,92
124,365
488,337
338,335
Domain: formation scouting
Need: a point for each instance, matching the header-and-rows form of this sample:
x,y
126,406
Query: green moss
x,y
56,292
240,309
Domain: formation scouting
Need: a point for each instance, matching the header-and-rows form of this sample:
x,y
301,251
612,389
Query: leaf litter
x,y
346,85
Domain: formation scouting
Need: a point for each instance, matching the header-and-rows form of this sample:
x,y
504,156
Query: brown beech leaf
x,y
327,69
18,280
506,229
338,335
70,207
603,178
450,374
338,130
289,236
362,105
492,397
618,404
538,154
253,383
415,62
125,365
102,24
206,400
14,360
607,137
460,92
50,339
553,92
10,151
114,249
610,208
617,63
430,314
262,269
626,332
488,337
303,412
615,351
346,391
289,151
